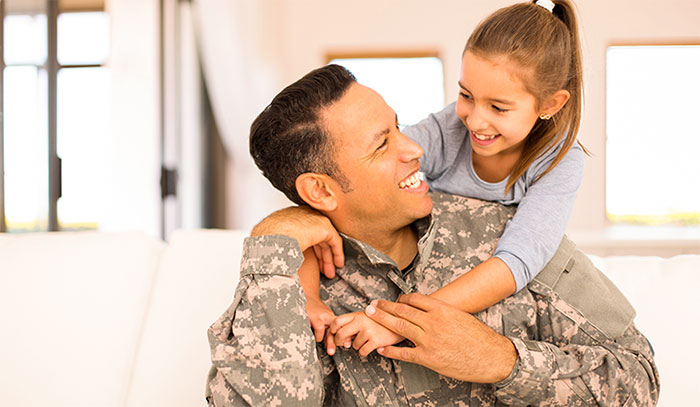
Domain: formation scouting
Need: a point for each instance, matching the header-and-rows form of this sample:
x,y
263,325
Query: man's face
x,y
379,161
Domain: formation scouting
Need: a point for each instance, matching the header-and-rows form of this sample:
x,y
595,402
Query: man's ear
x,y
315,189
555,102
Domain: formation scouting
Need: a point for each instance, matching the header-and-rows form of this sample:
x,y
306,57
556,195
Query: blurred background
x,y
134,114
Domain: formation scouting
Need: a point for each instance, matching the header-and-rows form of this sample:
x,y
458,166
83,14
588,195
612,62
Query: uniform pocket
x,y
594,296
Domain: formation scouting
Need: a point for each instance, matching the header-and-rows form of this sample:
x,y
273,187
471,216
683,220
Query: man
x,y
333,145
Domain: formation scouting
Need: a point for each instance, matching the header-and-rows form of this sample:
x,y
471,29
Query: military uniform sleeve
x,y
587,351
621,373
262,349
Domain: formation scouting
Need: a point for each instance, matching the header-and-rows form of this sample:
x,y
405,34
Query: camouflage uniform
x,y
571,327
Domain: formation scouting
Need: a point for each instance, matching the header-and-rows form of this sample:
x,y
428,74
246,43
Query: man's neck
x,y
400,245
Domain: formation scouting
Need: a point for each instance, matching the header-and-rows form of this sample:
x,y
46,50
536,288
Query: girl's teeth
x,y
483,138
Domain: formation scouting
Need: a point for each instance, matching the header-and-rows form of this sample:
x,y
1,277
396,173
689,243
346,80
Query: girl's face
x,y
494,105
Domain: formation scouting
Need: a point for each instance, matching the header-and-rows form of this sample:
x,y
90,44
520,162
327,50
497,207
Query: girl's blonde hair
x,y
545,46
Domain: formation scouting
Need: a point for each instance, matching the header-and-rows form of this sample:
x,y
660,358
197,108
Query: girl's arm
x,y
533,235
528,242
319,314
484,285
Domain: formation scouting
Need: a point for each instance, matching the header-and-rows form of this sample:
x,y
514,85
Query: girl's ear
x,y
316,191
555,102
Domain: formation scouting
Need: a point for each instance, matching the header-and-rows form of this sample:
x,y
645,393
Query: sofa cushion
x,y
195,284
71,310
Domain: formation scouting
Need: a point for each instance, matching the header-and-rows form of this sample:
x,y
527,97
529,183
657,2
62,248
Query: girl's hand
x,y
320,317
441,333
368,335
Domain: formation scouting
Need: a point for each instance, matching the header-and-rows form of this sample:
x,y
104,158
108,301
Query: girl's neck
x,y
495,168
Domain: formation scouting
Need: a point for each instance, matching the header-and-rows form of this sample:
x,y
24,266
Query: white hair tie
x,y
548,4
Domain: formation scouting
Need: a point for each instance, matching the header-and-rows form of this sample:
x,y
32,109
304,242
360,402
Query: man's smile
x,y
413,181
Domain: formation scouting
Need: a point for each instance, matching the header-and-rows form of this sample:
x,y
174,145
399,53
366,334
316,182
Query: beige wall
x,y
305,31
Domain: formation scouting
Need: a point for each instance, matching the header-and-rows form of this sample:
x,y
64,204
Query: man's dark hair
x,y
289,139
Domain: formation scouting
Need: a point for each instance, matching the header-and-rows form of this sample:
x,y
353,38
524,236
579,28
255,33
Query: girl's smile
x,y
483,139
495,106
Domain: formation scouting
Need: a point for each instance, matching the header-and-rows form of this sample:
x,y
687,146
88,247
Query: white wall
x,y
303,32
134,195
284,39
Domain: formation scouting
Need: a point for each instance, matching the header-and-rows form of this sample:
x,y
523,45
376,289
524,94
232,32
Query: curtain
x,y
239,63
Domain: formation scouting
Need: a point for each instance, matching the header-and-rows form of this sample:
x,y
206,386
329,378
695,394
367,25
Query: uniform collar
x,y
359,250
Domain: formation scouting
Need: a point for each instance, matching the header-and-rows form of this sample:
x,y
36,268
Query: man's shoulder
x,y
448,205
466,225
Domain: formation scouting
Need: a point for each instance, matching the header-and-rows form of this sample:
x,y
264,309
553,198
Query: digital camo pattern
x,y
260,347
264,354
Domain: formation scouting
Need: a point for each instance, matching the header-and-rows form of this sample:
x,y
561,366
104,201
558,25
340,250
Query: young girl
x,y
509,138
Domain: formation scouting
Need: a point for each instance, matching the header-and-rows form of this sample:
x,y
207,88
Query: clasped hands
x,y
313,230
446,340
355,329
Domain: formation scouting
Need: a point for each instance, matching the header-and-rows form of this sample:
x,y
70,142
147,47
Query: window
x,y
83,130
56,95
25,122
412,85
653,138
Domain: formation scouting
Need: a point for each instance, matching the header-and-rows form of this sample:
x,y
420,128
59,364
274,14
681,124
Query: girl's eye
x,y
384,142
498,109
464,95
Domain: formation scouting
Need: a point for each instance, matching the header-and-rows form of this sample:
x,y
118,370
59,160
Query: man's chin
x,y
426,207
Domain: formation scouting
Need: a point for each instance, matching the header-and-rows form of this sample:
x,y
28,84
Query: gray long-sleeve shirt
x,y
544,207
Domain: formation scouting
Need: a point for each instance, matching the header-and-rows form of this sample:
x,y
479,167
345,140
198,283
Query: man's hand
x,y
448,341
368,334
310,229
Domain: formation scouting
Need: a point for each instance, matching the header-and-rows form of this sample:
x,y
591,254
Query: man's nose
x,y
409,149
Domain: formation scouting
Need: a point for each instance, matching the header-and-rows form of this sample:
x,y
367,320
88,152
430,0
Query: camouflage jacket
x,y
571,327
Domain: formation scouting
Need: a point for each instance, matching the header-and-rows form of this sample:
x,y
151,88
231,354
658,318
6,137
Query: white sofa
x,y
120,320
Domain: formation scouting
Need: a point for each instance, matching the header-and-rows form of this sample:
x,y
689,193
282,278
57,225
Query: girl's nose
x,y
476,120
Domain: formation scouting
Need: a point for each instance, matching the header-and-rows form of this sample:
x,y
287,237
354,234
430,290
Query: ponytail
x,y
546,44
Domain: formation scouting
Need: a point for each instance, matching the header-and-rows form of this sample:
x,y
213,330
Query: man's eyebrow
x,y
500,101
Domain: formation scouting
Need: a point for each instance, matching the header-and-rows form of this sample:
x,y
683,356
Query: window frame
x,y
426,53
590,227
380,54
52,68
607,221
3,227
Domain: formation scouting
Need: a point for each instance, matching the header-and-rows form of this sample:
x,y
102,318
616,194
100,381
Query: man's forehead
x,y
359,114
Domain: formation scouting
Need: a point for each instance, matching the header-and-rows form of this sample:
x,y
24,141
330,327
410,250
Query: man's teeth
x,y
483,137
411,182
